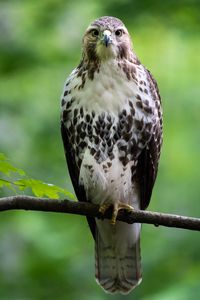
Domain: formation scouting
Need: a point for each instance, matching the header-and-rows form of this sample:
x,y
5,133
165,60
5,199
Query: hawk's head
x,y
106,38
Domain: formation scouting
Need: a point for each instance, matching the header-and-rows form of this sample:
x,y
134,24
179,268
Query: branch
x,y
89,209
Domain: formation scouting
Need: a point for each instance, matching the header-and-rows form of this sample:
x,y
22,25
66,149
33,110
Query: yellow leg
x,y
104,207
116,207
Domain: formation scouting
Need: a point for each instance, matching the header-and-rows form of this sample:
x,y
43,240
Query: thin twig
x,y
87,209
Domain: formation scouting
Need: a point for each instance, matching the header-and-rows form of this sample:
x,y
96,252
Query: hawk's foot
x,y
116,207
104,207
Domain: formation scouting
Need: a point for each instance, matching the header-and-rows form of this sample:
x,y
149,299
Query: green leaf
x,y
6,167
41,189
2,156
38,187
6,183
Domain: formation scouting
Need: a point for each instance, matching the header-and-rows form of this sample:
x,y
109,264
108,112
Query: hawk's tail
x,y
117,272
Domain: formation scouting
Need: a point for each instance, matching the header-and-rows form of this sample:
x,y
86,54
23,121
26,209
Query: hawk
x,y
111,124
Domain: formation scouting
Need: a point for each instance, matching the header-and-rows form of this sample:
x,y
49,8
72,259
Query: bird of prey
x,y
111,124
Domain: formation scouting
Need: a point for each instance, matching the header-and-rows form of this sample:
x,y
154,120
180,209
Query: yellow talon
x,y
126,207
103,208
114,216
116,207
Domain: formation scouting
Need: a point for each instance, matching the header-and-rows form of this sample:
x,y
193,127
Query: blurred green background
x,y
51,256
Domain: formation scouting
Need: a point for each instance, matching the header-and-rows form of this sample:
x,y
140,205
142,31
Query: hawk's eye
x,y
118,32
95,32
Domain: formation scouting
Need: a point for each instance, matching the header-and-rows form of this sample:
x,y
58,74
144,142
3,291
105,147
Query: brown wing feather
x,y
74,174
147,170
148,160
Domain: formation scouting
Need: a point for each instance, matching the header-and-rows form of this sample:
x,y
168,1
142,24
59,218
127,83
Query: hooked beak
x,y
106,39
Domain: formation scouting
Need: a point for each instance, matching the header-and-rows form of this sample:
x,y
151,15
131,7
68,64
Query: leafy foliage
x,y
6,167
38,187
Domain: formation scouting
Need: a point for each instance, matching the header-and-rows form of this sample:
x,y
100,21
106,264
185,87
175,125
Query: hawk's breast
x,y
108,122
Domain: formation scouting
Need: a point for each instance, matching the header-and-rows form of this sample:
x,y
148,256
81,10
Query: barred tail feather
x,y
117,271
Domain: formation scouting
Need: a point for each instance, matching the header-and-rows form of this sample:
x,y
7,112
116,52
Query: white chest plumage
x,y
108,91
113,112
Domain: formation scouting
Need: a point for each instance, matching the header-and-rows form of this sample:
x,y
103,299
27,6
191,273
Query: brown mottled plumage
x,y
111,125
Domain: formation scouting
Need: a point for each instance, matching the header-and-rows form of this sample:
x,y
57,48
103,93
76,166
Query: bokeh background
x,y
51,256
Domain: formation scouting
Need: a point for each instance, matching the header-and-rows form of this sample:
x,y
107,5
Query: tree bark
x,y
23,202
